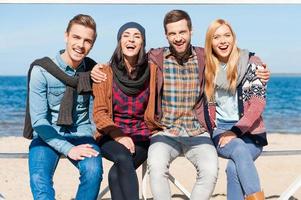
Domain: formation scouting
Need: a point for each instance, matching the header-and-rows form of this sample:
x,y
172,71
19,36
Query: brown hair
x,y
85,20
212,61
175,16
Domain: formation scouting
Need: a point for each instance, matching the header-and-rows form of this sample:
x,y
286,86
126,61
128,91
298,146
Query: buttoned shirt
x,y
45,95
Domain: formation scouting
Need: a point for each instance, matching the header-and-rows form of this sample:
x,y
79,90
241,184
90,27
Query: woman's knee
x,y
237,148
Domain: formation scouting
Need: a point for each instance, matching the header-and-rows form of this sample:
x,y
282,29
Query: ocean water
x,y
282,113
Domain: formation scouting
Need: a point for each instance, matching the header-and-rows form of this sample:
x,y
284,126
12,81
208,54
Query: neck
x,y
130,63
223,59
69,61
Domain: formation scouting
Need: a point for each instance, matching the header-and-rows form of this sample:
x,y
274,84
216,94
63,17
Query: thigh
x,y
113,150
91,162
240,146
163,150
141,149
200,151
232,147
42,157
255,150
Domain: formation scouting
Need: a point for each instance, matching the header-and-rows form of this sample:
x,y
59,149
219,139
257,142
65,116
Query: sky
x,y
31,31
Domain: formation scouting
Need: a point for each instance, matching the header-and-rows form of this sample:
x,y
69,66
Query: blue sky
x,y
30,31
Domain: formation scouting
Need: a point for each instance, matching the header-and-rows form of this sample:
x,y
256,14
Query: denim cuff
x,y
66,148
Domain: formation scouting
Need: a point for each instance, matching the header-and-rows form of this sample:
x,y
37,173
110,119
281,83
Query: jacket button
x,y
240,98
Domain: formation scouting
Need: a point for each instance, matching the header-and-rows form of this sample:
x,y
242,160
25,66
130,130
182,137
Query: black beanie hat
x,y
131,25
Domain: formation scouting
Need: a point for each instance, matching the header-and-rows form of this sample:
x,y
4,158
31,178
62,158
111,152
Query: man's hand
x,y
97,75
127,142
225,138
82,151
263,73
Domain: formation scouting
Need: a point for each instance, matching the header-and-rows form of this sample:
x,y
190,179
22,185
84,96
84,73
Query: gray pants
x,y
199,150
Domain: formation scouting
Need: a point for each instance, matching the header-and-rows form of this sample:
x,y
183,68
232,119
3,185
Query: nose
x,y
223,39
80,43
131,38
178,37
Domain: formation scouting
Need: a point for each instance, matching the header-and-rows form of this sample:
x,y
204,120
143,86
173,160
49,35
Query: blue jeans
x,y
242,176
43,161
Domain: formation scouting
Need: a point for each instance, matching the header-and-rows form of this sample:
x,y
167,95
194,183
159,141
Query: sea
x,y
282,113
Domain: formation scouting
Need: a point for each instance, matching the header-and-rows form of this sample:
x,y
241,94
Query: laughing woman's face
x,y
222,43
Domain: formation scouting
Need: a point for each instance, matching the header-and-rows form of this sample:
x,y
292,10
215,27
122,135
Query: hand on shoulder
x,y
97,75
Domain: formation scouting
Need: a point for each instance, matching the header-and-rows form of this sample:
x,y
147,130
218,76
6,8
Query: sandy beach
x,y
276,172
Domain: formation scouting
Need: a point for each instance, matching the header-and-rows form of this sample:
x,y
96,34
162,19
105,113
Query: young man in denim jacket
x,y
52,137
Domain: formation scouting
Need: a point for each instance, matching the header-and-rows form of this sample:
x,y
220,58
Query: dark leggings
x,y
123,181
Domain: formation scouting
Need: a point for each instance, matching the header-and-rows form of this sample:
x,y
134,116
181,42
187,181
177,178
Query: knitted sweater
x,y
251,104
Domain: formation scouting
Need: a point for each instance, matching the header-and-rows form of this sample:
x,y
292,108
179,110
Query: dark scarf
x,y
125,83
79,84
181,59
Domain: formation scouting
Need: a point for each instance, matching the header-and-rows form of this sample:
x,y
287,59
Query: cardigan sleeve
x,y
254,98
102,107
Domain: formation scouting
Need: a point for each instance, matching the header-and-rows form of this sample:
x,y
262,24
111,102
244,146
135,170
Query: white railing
x,y
284,196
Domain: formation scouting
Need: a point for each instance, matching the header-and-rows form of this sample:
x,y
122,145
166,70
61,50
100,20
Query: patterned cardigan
x,y
251,103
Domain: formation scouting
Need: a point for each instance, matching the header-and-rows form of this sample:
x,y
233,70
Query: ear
x,y
66,37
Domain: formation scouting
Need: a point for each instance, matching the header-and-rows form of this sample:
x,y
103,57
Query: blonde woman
x,y
237,101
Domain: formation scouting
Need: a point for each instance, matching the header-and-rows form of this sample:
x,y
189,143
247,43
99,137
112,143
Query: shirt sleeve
x,y
254,103
38,107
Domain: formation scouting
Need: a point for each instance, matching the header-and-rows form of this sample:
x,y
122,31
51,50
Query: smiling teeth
x,y
78,51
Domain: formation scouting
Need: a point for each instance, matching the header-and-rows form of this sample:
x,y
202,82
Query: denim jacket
x,y
45,95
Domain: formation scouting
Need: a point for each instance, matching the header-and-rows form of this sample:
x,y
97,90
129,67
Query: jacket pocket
x,y
55,95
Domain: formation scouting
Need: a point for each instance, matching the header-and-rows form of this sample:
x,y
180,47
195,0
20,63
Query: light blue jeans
x,y
43,161
242,176
199,150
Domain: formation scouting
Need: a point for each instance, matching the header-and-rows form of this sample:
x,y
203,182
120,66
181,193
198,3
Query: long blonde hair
x,y
212,62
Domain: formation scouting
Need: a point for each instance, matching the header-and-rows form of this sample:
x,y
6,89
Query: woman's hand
x,y
263,73
97,75
225,138
127,142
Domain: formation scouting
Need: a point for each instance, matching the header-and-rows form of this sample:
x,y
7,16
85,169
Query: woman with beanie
x,y
237,101
119,106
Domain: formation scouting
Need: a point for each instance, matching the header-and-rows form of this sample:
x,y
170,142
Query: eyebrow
x,y
136,33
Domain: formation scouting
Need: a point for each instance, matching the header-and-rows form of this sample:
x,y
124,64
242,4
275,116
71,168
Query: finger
x,y
99,65
132,149
78,157
220,142
87,153
88,145
98,78
81,157
91,151
221,145
132,146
